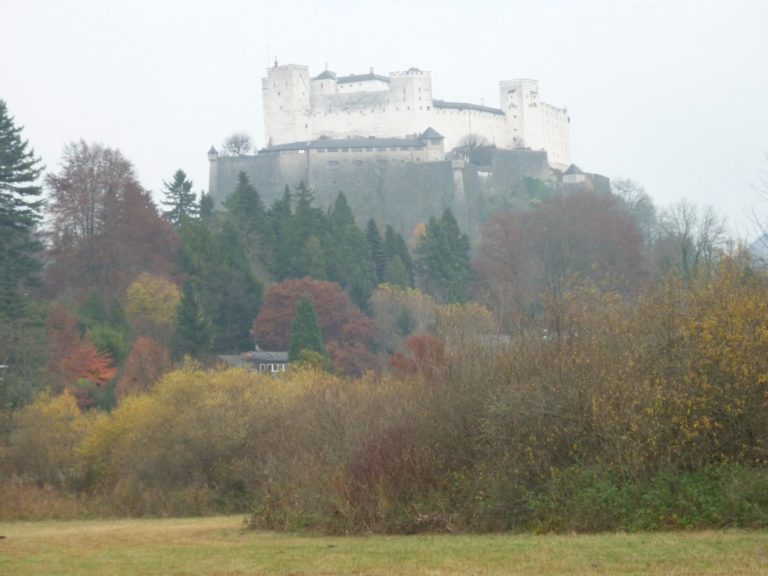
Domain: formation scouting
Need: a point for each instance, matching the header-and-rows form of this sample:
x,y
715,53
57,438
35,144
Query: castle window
x,y
428,108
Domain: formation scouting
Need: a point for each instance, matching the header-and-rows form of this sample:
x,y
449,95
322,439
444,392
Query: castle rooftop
x,y
466,106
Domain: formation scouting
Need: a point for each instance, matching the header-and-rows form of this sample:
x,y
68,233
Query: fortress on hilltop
x,y
400,155
298,108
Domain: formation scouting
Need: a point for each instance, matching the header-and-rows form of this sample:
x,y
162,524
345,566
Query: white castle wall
x,y
298,108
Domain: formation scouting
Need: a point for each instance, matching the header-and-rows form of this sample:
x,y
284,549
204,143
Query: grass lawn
x,y
221,546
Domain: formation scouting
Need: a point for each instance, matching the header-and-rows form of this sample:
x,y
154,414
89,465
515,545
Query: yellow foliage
x,y
150,305
42,445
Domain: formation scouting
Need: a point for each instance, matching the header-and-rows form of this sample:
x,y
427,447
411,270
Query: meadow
x,y
223,546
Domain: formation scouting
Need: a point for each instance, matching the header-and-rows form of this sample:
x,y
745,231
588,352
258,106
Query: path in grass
x,y
221,546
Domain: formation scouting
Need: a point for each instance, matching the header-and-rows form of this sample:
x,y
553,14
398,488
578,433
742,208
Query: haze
x,y
670,94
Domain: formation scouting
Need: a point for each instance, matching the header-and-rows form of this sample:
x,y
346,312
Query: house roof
x,y
339,143
361,78
431,134
573,169
466,106
325,75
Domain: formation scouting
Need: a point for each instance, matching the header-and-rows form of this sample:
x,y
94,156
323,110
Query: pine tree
x,y
19,215
376,249
206,207
443,259
192,333
395,248
179,199
349,259
246,207
305,331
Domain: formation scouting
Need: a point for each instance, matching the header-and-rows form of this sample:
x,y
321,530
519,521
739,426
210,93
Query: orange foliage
x,y
424,355
146,363
74,359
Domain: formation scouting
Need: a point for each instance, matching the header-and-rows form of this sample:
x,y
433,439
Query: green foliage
x,y
179,199
192,334
226,288
376,250
443,259
305,332
399,270
19,216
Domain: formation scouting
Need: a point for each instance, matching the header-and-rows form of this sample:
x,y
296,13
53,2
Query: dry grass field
x,y
220,546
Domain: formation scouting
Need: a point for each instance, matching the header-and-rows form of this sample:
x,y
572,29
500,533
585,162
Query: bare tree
x,y
691,238
238,144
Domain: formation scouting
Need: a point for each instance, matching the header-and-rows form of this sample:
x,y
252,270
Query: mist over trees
x,y
589,362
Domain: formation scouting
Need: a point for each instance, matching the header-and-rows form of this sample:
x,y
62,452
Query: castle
x,y
299,108
399,155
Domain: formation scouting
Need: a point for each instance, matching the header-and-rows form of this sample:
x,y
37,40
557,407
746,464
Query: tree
x,y
443,259
305,331
349,258
376,250
399,263
206,207
192,335
345,329
238,144
179,199
19,215
150,306
224,283
146,363
105,226
690,239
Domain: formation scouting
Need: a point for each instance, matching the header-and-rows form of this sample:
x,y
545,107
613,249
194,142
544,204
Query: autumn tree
x,y
105,226
344,327
585,234
400,312
150,306
179,200
147,361
74,363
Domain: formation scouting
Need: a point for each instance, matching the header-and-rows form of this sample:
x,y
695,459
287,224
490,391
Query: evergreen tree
x,y
349,259
395,248
179,199
192,333
376,249
206,207
246,208
280,218
443,259
305,331
228,291
19,215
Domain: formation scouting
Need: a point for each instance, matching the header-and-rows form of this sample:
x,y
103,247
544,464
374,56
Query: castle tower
x,y
519,100
411,95
286,98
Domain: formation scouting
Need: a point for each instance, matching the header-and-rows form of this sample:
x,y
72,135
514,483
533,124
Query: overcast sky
x,y
671,94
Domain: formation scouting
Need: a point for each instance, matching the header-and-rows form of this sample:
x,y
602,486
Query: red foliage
x,y
347,332
146,363
106,228
424,354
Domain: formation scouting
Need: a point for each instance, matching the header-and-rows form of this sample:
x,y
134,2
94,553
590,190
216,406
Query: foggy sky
x,y
671,94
